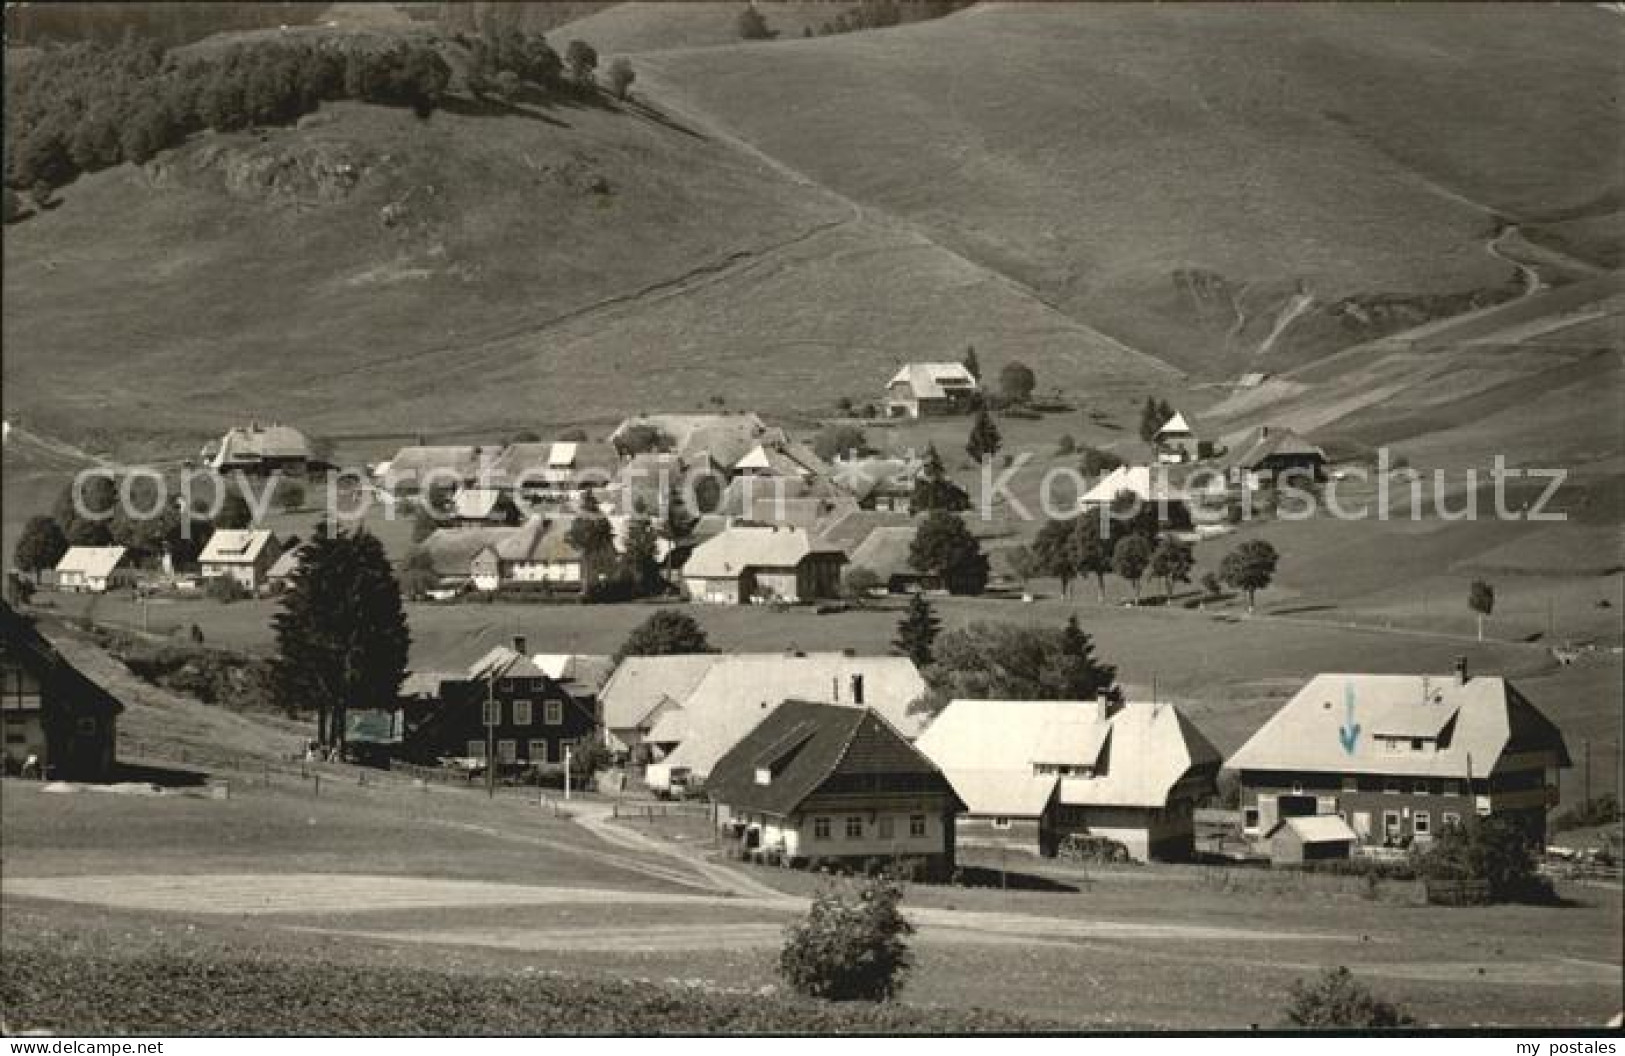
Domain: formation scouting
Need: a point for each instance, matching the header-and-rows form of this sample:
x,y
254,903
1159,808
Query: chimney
x,y
519,645
1461,670
1263,432
857,689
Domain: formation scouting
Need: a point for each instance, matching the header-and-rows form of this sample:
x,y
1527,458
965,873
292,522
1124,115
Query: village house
x,y
1156,487
884,551
782,458
1310,838
1032,772
879,483
784,501
280,574
737,690
1399,757
244,555
753,564
817,782
1276,455
93,569
483,507
560,472
721,439
504,700
422,469
260,449
50,712
642,689
920,390
1176,441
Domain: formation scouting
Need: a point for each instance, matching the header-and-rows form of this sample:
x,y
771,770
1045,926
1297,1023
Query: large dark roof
x,y
805,744
19,636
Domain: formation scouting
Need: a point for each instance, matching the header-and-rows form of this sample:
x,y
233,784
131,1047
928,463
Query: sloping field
x,y
1179,175
372,271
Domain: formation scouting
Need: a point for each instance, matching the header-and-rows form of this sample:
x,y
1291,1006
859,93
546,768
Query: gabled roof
x,y
285,565
92,562
847,529
589,671
476,504
555,462
640,683
988,749
504,662
886,551
426,683
255,442
235,546
744,547
1317,828
69,687
724,437
446,465
1178,425
1482,718
1149,483
785,458
739,689
784,501
865,476
451,550
803,745
1270,441
933,380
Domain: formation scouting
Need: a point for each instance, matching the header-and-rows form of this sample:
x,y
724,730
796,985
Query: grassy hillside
x,y
1178,175
370,271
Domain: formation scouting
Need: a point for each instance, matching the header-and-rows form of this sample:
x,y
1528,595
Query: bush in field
x,y
225,590
850,950
840,441
1337,1000
666,633
1488,859
621,75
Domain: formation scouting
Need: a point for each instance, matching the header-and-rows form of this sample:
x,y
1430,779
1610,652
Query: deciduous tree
x,y
41,545
944,547
1130,557
1249,567
1171,562
668,632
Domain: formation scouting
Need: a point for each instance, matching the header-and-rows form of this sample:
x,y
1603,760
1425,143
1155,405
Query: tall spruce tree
x,y
917,631
932,488
342,639
984,436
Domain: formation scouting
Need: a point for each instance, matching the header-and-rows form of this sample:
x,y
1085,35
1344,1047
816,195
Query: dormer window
x,y
764,775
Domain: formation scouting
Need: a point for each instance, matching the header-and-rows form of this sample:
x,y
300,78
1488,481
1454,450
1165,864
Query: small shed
x,y
1312,838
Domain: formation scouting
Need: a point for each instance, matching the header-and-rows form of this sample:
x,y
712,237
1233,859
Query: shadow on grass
x,y
162,776
987,876
465,106
1295,610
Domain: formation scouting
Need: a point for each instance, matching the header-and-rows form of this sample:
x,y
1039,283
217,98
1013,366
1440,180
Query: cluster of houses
x,y
824,757
256,559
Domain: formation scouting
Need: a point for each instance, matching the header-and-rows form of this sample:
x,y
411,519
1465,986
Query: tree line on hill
x,y
869,14
168,24
88,106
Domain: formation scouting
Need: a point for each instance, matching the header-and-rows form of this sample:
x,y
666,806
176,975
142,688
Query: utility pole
x,y
1586,747
568,752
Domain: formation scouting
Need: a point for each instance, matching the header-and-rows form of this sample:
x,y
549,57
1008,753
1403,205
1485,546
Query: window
x,y
764,775
888,827
1351,783
1001,823
476,749
552,713
538,751
1422,823
1297,788
1449,818
820,828
854,828
1391,786
507,751
916,825
1249,818
1390,823
521,713
493,713
567,747
1416,744
1420,788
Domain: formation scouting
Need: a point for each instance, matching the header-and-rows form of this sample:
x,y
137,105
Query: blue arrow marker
x,y
1350,731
